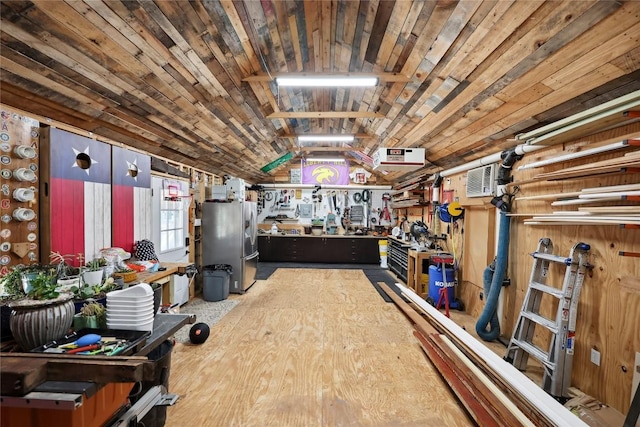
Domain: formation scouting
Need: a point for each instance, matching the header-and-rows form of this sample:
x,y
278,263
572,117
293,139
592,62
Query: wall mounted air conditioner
x,y
398,159
481,182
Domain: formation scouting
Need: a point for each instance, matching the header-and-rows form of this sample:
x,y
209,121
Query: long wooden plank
x,y
447,368
508,413
609,209
20,376
583,201
534,400
589,220
490,388
420,323
609,194
624,187
550,196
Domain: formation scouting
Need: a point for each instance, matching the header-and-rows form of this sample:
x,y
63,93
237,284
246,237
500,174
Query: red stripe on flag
x,y
122,217
67,216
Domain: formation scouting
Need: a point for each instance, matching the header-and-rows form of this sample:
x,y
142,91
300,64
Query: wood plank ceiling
x,y
174,78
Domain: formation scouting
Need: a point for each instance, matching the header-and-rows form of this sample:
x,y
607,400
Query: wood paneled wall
x,y
608,314
19,236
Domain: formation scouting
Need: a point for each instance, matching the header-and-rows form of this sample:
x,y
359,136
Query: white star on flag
x,y
86,151
132,167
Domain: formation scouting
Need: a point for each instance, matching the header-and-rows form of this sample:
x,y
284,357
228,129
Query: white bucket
x,y
382,245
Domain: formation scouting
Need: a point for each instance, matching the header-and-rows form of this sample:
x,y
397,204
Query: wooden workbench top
x,y
333,236
152,276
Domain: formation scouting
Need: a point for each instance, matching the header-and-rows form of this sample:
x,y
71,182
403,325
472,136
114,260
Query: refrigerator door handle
x,y
252,256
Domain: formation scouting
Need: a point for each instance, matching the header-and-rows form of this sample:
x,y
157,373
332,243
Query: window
x,y
172,224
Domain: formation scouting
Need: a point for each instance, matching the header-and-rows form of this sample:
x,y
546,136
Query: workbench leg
x,y
411,273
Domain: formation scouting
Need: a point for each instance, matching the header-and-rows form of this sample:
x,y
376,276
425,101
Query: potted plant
x,y
44,314
11,289
127,274
68,275
93,271
92,315
84,293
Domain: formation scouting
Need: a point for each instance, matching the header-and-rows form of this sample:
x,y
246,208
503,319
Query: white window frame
x,y
180,252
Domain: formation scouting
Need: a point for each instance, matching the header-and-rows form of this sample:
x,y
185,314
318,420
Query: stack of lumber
x,y
621,215
490,397
627,163
406,197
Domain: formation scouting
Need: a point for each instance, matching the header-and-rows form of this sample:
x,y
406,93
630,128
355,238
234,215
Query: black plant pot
x,y
5,326
157,298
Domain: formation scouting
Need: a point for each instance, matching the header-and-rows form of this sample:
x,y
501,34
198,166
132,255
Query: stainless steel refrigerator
x,y
230,236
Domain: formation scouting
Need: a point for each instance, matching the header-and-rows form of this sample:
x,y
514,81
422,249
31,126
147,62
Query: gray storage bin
x,y
215,282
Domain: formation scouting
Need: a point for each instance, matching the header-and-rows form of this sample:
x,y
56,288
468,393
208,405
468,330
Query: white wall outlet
x,y
595,357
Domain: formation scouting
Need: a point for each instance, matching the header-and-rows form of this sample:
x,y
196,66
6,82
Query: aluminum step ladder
x,y
558,361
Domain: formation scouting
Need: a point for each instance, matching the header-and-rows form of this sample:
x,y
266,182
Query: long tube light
x,y
329,186
326,138
326,159
327,81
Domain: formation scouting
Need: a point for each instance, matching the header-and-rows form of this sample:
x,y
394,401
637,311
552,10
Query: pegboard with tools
x,y
19,230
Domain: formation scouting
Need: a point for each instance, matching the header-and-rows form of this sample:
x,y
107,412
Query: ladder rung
x,y
541,320
536,352
553,258
558,293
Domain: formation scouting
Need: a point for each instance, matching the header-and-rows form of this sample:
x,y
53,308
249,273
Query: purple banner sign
x,y
323,173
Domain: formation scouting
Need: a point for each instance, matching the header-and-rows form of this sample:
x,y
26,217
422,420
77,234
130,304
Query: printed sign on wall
x,y
324,173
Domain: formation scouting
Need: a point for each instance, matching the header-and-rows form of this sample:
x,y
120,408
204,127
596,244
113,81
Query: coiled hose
x,y
493,277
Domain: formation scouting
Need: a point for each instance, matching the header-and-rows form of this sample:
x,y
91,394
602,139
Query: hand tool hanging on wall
x,y
385,215
330,201
366,199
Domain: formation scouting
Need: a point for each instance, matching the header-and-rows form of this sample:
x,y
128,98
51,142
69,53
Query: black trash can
x,y
215,282
161,358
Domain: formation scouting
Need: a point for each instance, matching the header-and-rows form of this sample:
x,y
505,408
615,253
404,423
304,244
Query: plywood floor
x,y
310,348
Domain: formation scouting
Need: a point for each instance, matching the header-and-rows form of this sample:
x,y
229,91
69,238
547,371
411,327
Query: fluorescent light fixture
x,y
326,81
326,159
326,138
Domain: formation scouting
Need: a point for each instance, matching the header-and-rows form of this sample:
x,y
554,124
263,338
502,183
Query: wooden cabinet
x,y
322,249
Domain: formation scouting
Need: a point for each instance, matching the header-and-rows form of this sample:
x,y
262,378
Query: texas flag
x,y
131,197
79,194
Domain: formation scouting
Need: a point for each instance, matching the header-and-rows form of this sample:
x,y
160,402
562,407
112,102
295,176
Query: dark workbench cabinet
x,y
323,249
398,257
